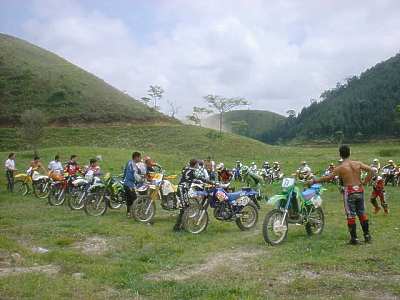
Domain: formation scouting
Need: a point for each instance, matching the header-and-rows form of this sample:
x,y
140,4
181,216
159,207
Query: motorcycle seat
x,y
308,194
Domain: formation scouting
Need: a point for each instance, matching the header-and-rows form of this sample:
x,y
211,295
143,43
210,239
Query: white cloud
x,y
278,54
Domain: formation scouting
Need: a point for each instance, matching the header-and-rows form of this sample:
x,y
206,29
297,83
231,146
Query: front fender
x,y
277,199
22,177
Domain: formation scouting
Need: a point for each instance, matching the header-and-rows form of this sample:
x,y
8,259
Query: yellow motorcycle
x,y
40,184
157,188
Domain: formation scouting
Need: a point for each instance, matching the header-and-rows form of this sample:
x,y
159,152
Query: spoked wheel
x,y
21,187
316,221
41,189
143,209
195,220
275,228
76,198
57,194
95,204
116,201
248,217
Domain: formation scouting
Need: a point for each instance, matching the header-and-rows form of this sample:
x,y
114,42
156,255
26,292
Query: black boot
x,y
353,234
365,228
178,225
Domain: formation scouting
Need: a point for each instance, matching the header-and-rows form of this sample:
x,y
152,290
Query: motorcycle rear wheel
x,y
316,222
21,187
41,190
248,218
275,229
116,201
143,209
76,198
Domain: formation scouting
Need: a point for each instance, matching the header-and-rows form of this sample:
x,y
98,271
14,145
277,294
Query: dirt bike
x,y
158,188
59,190
109,193
80,190
388,175
40,184
238,207
295,207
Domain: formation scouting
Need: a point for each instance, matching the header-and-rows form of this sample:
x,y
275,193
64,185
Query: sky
x,y
278,54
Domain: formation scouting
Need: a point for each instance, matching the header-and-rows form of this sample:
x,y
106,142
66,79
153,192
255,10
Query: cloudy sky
x,y
276,53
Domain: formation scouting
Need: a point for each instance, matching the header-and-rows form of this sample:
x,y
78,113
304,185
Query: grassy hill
x,y
33,77
259,121
364,106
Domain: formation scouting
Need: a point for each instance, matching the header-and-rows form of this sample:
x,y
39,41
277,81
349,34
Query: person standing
x,y
56,169
131,178
350,172
10,169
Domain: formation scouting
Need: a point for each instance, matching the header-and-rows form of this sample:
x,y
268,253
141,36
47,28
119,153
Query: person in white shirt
x,y
10,169
55,168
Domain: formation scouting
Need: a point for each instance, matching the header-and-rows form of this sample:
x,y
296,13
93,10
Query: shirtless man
x,y
350,172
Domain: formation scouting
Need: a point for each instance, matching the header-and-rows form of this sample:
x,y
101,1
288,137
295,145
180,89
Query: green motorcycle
x,y
109,193
296,207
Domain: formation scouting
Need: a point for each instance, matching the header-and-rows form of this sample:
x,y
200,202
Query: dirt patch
x,y
93,245
235,260
47,269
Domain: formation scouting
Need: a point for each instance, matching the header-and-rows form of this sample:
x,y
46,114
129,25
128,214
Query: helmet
x,y
303,162
276,163
253,163
220,166
266,163
238,161
245,170
331,165
376,160
340,160
390,161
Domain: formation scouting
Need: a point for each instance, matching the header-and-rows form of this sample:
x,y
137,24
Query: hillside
x,y
33,77
362,107
259,121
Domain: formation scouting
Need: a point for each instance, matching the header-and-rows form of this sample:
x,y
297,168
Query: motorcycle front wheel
x,y
56,195
316,221
116,201
248,218
41,189
95,204
143,209
76,198
275,228
21,187
195,221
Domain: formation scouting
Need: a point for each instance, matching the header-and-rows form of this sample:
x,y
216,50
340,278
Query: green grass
x,y
31,77
302,267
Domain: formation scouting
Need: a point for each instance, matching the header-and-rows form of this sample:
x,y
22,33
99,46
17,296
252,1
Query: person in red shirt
x,y
378,192
72,167
224,175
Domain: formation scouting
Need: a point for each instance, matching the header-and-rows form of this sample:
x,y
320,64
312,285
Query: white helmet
x,y
220,166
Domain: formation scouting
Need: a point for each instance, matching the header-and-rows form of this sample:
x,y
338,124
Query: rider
x,y
188,175
131,178
93,168
378,191
253,167
304,171
350,172
72,166
209,165
238,169
151,166
56,169
376,164
392,170
224,175
36,164
201,171
266,166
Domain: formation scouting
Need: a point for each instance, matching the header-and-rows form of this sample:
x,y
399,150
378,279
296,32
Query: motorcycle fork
x,y
203,211
287,206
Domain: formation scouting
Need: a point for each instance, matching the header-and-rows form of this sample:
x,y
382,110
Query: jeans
x,y
10,180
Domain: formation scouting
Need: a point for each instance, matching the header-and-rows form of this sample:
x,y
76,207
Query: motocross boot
x,y
353,234
178,225
365,228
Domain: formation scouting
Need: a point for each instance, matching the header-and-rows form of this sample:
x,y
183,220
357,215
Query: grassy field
x,y
112,257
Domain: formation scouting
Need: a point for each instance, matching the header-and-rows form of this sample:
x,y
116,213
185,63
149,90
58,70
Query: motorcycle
x,y
108,193
158,188
238,207
388,175
81,188
40,183
59,189
294,207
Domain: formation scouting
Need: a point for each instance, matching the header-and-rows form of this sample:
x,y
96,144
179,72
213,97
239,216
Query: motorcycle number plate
x,y
288,182
242,201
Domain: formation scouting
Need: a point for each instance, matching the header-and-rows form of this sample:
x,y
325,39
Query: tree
x,y
155,92
197,114
194,118
240,127
145,100
173,108
32,127
222,105
291,113
338,137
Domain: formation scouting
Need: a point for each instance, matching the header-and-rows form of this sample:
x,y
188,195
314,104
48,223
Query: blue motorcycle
x,y
238,206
